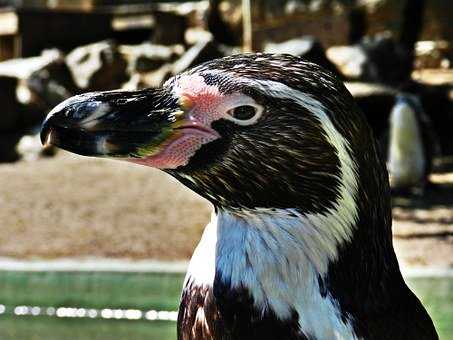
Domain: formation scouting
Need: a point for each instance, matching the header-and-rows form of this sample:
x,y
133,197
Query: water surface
x,y
138,291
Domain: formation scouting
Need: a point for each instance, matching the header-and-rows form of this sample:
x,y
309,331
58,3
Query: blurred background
x,y
91,249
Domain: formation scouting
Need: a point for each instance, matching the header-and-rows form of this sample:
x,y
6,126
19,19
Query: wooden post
x,y
358,23
247,35
411,29
412,22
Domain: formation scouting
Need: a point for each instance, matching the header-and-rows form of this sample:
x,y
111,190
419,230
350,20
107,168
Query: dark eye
x,y
244,112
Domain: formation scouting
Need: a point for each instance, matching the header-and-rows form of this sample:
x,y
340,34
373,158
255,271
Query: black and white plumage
x,y
412,144
299,245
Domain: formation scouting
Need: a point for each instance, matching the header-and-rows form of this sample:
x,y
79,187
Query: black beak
x,y
113,123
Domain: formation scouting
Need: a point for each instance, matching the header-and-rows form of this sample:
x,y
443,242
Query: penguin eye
x,y
245,114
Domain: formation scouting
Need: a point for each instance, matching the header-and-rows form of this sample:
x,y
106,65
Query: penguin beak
x,y
124,124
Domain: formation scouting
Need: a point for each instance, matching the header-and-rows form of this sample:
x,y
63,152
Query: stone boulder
x,y
376,59
148,57
307,47
222,31
29,88
15,119
34,74
169,28
12,119
350,60
156,78
8,142
22,68
9,118
52,82
199,53
98,66
388,61
29,148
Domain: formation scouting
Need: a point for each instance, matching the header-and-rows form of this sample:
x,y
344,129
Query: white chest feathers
x,y
278,257
406,159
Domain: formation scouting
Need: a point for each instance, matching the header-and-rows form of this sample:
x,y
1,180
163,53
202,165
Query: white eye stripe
x,y
258,112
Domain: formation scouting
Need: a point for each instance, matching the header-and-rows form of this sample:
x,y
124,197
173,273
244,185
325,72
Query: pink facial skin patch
x,y
201,104
201,99
179,149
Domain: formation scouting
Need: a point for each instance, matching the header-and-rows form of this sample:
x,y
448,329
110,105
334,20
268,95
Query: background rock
x,y
149,57
387,61
98,66
29,88
202,51
22,68
29,148
52,82
349,60
8,141
306,47
169,28
9,118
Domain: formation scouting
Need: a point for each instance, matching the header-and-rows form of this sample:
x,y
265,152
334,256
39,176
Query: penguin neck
x,y
241,248
247,248
285,261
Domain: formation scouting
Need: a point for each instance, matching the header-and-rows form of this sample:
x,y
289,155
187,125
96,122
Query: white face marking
x,y
340,219
406,160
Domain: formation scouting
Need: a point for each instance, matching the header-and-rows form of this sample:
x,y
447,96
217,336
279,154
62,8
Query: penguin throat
x,y
281,259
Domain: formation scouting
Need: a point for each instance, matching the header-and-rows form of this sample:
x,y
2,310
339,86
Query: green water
x,y
91,290
44,328
139,291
